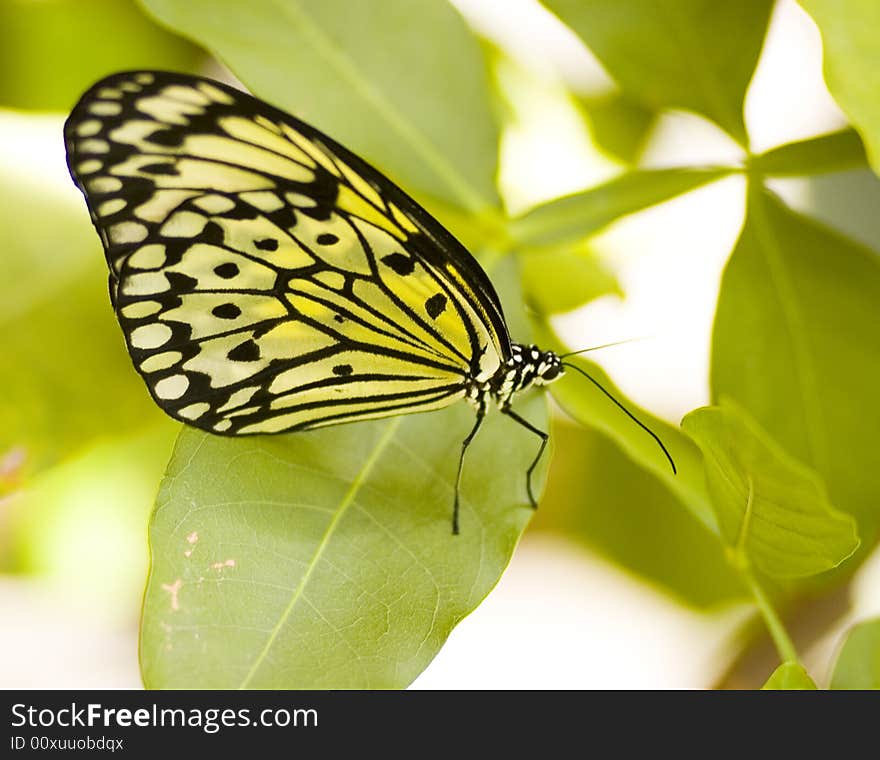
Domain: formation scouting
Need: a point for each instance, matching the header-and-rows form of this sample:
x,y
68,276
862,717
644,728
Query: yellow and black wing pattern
x,y
267,279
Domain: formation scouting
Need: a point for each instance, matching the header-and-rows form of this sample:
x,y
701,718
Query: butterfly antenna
x,y
626,411
596,348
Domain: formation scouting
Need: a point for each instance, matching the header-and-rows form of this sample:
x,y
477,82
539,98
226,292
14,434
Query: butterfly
x,y
267,280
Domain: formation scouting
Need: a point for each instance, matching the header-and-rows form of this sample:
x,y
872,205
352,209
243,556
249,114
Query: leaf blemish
x,y
173,589
192,540
220,565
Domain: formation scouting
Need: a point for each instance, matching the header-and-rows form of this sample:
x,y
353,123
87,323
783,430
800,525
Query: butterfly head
x,y
529,365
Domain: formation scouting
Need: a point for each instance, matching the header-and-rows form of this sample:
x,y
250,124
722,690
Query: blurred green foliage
x,y
408,87
51,51
858,663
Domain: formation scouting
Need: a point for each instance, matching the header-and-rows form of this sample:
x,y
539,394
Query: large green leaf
x,y
795,343
403,84
790,676
50,53
851,44
858,664
576,216
326,559
835,152
772,510
693,54
589,406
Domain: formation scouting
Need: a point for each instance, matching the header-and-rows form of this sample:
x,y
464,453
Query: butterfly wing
x,y
265,278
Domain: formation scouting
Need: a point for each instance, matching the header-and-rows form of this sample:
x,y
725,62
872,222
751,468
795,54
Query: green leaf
x,y
599,497
589,406
576,216
838,151
619,125
326,559
795,343
694,54
50,53
403,84
772,510
858,664
850,34
790,676
556,281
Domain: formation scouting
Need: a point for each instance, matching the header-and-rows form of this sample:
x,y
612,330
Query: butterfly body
x,y
527,366
267,279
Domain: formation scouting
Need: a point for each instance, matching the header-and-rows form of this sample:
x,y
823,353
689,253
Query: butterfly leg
x,y
481,413
544,438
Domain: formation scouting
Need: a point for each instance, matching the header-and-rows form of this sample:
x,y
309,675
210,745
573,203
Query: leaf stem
x,y
781,639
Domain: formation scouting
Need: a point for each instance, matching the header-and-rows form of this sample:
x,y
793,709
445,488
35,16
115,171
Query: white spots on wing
x,y
173,387
186,94
105,108
90,166
88,128
298,200
145,284
238,398
110,93
215,204
151,256
135,131
167,110
104,185
94,146
127,232
335,280
185,224
160,361
108,208
173,590
215,93
144,78
222,426
220,565
140,309
150,336
194,411
263,200
162,204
